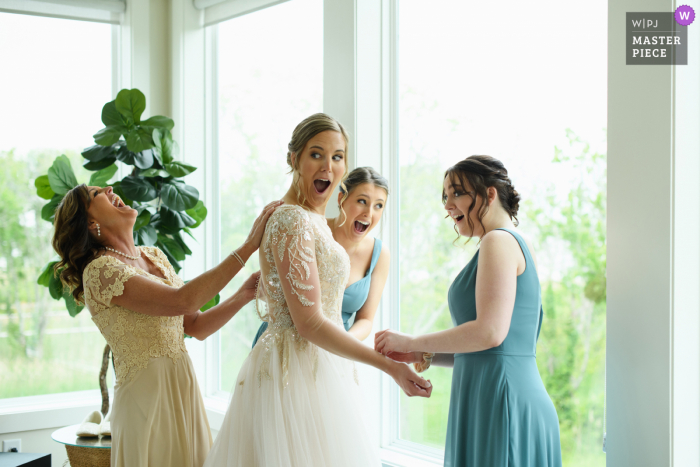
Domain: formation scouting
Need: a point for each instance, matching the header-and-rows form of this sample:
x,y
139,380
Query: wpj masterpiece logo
x,y
659,38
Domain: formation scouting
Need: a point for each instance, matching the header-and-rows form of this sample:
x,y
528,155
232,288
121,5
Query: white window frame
x,y
57,409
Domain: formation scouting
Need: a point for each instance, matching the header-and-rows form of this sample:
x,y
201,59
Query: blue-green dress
x,y
354,297
500,412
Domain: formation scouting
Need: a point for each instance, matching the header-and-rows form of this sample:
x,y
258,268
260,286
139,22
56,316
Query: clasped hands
x,y
396,345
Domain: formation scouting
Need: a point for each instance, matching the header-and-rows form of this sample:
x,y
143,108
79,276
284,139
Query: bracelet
x,y
235,254
425,364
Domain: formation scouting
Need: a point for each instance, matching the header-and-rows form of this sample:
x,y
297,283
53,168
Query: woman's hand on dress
x,y
247,291
406,357
258,229
392,341
411,384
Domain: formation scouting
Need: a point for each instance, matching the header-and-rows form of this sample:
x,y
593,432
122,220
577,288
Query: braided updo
x,y
480,173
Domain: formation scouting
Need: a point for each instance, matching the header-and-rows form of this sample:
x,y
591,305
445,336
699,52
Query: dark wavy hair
x,y
480,173
73,241
360,176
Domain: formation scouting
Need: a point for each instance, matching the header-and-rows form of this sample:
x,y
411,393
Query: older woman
x,y
363,198
143,308
296,401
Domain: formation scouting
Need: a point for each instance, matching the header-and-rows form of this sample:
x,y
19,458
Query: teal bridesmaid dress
x,y
354,297
500,413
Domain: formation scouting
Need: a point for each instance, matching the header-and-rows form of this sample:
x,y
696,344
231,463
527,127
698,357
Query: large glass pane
x,y
54,83
515,82
270,77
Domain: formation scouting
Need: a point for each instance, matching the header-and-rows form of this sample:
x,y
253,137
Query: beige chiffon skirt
x,y
158,418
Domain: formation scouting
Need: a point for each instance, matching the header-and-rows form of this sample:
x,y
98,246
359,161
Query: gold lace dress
x,y
158,416
295,404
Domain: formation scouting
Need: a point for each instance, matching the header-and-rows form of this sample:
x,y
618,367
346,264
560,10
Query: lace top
x,y
134,337
304,238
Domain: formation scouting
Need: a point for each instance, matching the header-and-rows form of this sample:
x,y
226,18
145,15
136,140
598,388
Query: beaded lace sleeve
x,y
103,279
290,252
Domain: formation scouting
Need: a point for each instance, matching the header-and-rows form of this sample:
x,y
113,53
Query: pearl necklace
x,y
124,254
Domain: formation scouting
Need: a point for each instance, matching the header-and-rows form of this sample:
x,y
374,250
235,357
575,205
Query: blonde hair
x,y
304,131
357,177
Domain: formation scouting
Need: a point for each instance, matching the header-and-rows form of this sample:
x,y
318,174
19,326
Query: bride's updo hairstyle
x,y
480,173
72,239
357,177
307,129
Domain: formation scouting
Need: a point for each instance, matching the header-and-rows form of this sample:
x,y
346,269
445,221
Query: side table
x,y
84,452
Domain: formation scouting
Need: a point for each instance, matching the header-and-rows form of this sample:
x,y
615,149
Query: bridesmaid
x,y
143,308
361,206
500,413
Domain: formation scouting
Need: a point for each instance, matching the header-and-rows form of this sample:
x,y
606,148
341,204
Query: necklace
x,y
124,254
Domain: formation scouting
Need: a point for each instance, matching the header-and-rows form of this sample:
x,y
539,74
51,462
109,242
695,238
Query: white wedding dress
x,y
295,404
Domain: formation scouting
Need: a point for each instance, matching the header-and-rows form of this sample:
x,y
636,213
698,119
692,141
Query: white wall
x,y
39,441
653,255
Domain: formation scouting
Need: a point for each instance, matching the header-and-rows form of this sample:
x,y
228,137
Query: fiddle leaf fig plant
x,y
166,205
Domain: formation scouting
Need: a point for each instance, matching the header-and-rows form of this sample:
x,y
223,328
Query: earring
x,y
98,230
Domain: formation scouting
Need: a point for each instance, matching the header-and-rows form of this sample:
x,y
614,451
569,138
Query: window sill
x,y
48,411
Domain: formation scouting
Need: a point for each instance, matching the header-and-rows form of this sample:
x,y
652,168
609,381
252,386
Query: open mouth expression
x,y
321,185
360,227
117,201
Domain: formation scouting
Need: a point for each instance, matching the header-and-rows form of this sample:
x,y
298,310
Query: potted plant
x,y
167,207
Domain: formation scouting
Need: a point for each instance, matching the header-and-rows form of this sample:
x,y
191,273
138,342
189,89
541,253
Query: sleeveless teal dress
x,y
500,413
354,297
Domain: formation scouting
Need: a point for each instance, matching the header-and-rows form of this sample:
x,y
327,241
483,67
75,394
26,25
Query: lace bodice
x,y
303,238
134,337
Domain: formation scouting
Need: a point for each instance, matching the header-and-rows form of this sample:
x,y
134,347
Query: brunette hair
x,y
72,240
360,176
480,173
304,131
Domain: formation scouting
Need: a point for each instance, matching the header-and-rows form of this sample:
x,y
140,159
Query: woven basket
x,y
80,456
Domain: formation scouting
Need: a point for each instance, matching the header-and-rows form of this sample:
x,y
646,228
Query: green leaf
x,y
99,165
71,305
49,210
138,139
158,121
109,135
157,145
117,188
43,187
138,189
126,156
178,238
178,169
172,246
55,287
46,274
111,116
145,236
142,219
144,159
101,177
175,219
150,173
211,303
198,213
97,152
169,148
61,176
178,196
131,103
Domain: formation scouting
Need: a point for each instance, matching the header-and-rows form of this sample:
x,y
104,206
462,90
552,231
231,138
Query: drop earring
x,y
98,230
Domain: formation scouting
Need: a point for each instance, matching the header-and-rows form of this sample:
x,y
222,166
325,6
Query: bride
x,y
295,400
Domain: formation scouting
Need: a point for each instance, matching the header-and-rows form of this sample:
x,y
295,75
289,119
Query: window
x,y
269,77
54,83
531,91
